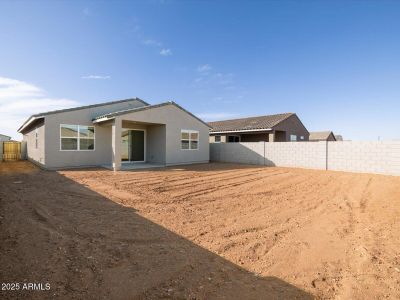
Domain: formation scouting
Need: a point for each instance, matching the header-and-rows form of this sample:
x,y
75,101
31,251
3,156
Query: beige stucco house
x,y
116,134
285,127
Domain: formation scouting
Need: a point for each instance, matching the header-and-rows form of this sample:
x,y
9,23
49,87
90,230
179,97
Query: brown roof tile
x,y
261,122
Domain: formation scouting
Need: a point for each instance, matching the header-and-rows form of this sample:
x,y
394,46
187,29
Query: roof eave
x,y
28,122
105,119
242,130
113,115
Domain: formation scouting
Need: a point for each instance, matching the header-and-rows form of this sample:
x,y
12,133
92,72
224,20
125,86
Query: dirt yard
x,y
213,231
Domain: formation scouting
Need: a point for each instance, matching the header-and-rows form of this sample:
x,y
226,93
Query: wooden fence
x,y
11,151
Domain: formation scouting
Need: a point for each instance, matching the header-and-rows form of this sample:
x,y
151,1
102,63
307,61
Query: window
x,y
86,138
217,139
189,140
233,139
293,138
36,138
302,137
77,137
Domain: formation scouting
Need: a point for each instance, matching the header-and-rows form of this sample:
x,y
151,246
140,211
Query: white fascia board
x,y
29,122
103,119
239,131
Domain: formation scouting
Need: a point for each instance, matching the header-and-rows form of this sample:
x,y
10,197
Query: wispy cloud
x,y
96,77
151,42
206,77
204,68
165,52
19,100
148,41
216,116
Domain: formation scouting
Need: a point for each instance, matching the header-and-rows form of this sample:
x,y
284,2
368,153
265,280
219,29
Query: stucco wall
x,y
163,130
223,138
55,158
293,125
37,155
255,137
156,144
365,157
175,120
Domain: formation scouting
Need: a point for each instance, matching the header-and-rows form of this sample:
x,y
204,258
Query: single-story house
x,y
4,138
285,127
116,134
338,137
320,136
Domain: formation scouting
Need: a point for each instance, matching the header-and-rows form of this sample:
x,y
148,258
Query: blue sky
x,y
335,63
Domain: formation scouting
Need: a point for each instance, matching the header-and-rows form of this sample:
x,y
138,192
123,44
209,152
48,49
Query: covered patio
x,y
154,136
136,144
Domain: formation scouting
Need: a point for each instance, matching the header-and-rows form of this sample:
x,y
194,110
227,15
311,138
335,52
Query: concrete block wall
x,y
380,157
244,153
302,155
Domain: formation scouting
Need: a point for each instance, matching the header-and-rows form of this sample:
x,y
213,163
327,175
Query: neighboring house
x,y
273,128
4,138
109,134
319,136
338,137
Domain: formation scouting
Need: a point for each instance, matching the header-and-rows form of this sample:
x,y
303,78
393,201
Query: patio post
x,y
116,144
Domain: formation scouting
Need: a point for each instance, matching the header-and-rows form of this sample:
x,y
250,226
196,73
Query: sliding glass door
x,y
133,145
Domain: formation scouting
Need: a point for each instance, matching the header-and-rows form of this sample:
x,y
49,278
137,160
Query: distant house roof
x,y
41,115
5,136
112,115
249,124
338,137
321,135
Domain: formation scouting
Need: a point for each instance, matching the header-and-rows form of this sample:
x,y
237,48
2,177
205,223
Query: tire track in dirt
x,y
357,199
279,231
206,180
144,178
217,186
167,182
300,226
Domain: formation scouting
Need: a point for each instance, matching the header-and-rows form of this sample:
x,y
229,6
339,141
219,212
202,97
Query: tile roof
x,y
261,122
319,135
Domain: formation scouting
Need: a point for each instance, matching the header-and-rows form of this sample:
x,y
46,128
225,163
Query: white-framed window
x,y
77,137
217,139
302,137
189,139
293,138
36,138
233,139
